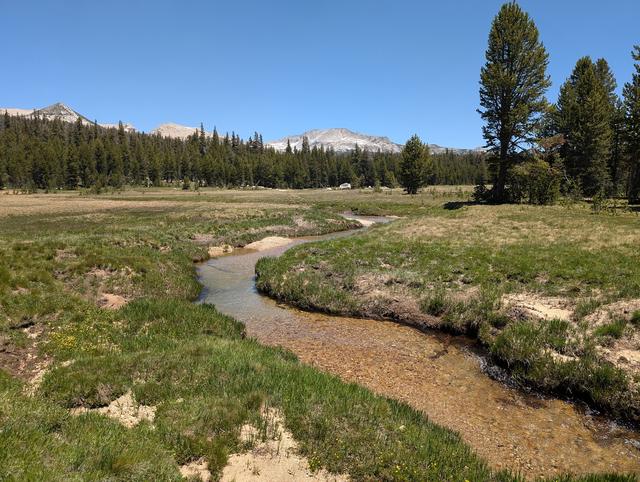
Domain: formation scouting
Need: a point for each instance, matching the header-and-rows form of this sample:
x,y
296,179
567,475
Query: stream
x,y
439,374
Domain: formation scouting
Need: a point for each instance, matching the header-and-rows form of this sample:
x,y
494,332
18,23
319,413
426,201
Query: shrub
x,y
534,182
480,192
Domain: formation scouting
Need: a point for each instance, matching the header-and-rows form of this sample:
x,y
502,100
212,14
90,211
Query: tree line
x,y
586,144
39,153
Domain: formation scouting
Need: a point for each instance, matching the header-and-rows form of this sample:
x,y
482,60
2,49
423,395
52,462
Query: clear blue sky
x,y
281,67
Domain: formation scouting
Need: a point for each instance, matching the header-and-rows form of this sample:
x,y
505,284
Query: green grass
x,y
191,362
207,381
458,263
612,330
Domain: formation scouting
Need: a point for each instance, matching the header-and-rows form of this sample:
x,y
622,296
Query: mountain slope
x,y
344,140
59,111
174,130
340,140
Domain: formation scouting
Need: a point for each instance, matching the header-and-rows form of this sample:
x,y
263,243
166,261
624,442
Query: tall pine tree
x,y
616,117
584,117
631,95
512,86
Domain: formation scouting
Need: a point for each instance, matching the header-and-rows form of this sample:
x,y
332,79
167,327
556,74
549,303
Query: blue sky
x,y
282,67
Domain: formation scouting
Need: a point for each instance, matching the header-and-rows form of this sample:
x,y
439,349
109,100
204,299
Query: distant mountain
x,y
174,130
59,111
344,140
62,112
340,140
436,149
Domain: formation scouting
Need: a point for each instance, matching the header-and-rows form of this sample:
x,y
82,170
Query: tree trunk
x,y
634,184
499,188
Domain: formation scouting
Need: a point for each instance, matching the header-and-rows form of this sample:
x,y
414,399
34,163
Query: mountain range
x,y
344,140
339,139
59,111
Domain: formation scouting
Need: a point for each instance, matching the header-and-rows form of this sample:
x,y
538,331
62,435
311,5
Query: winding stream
x,y
434,372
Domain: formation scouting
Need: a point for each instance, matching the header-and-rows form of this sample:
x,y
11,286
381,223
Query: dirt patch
x,y
215,251
386,297
365,222
109,301
465,295
268,243
25,362
275,458
64,254
559,357
124,409
104,287
273,228
531,306
303,223
624,353
100,273
198,469
621,309
38,376
203,238
372,285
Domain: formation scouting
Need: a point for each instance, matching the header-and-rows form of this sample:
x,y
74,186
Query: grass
x,y
612,330
59,253
190,362
454,263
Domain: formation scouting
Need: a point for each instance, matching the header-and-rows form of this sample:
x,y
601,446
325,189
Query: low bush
x,y
534,182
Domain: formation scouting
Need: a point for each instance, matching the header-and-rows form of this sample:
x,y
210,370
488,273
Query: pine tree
x,y
215,138
4,176
584,117
512,86
414,161
631,94
616,121
618,171
72,174
202,140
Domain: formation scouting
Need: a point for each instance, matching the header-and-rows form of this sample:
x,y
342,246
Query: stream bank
x,y
436,373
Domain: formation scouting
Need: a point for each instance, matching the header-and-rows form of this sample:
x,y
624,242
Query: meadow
x,y
63,354
552,293
96,306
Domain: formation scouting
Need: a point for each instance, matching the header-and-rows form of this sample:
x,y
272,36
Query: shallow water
x,y
434,372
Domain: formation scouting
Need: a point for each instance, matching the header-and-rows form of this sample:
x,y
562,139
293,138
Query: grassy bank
x,y
553,293
191,367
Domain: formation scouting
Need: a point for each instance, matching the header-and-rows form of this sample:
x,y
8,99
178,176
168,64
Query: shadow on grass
x,y
455,205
